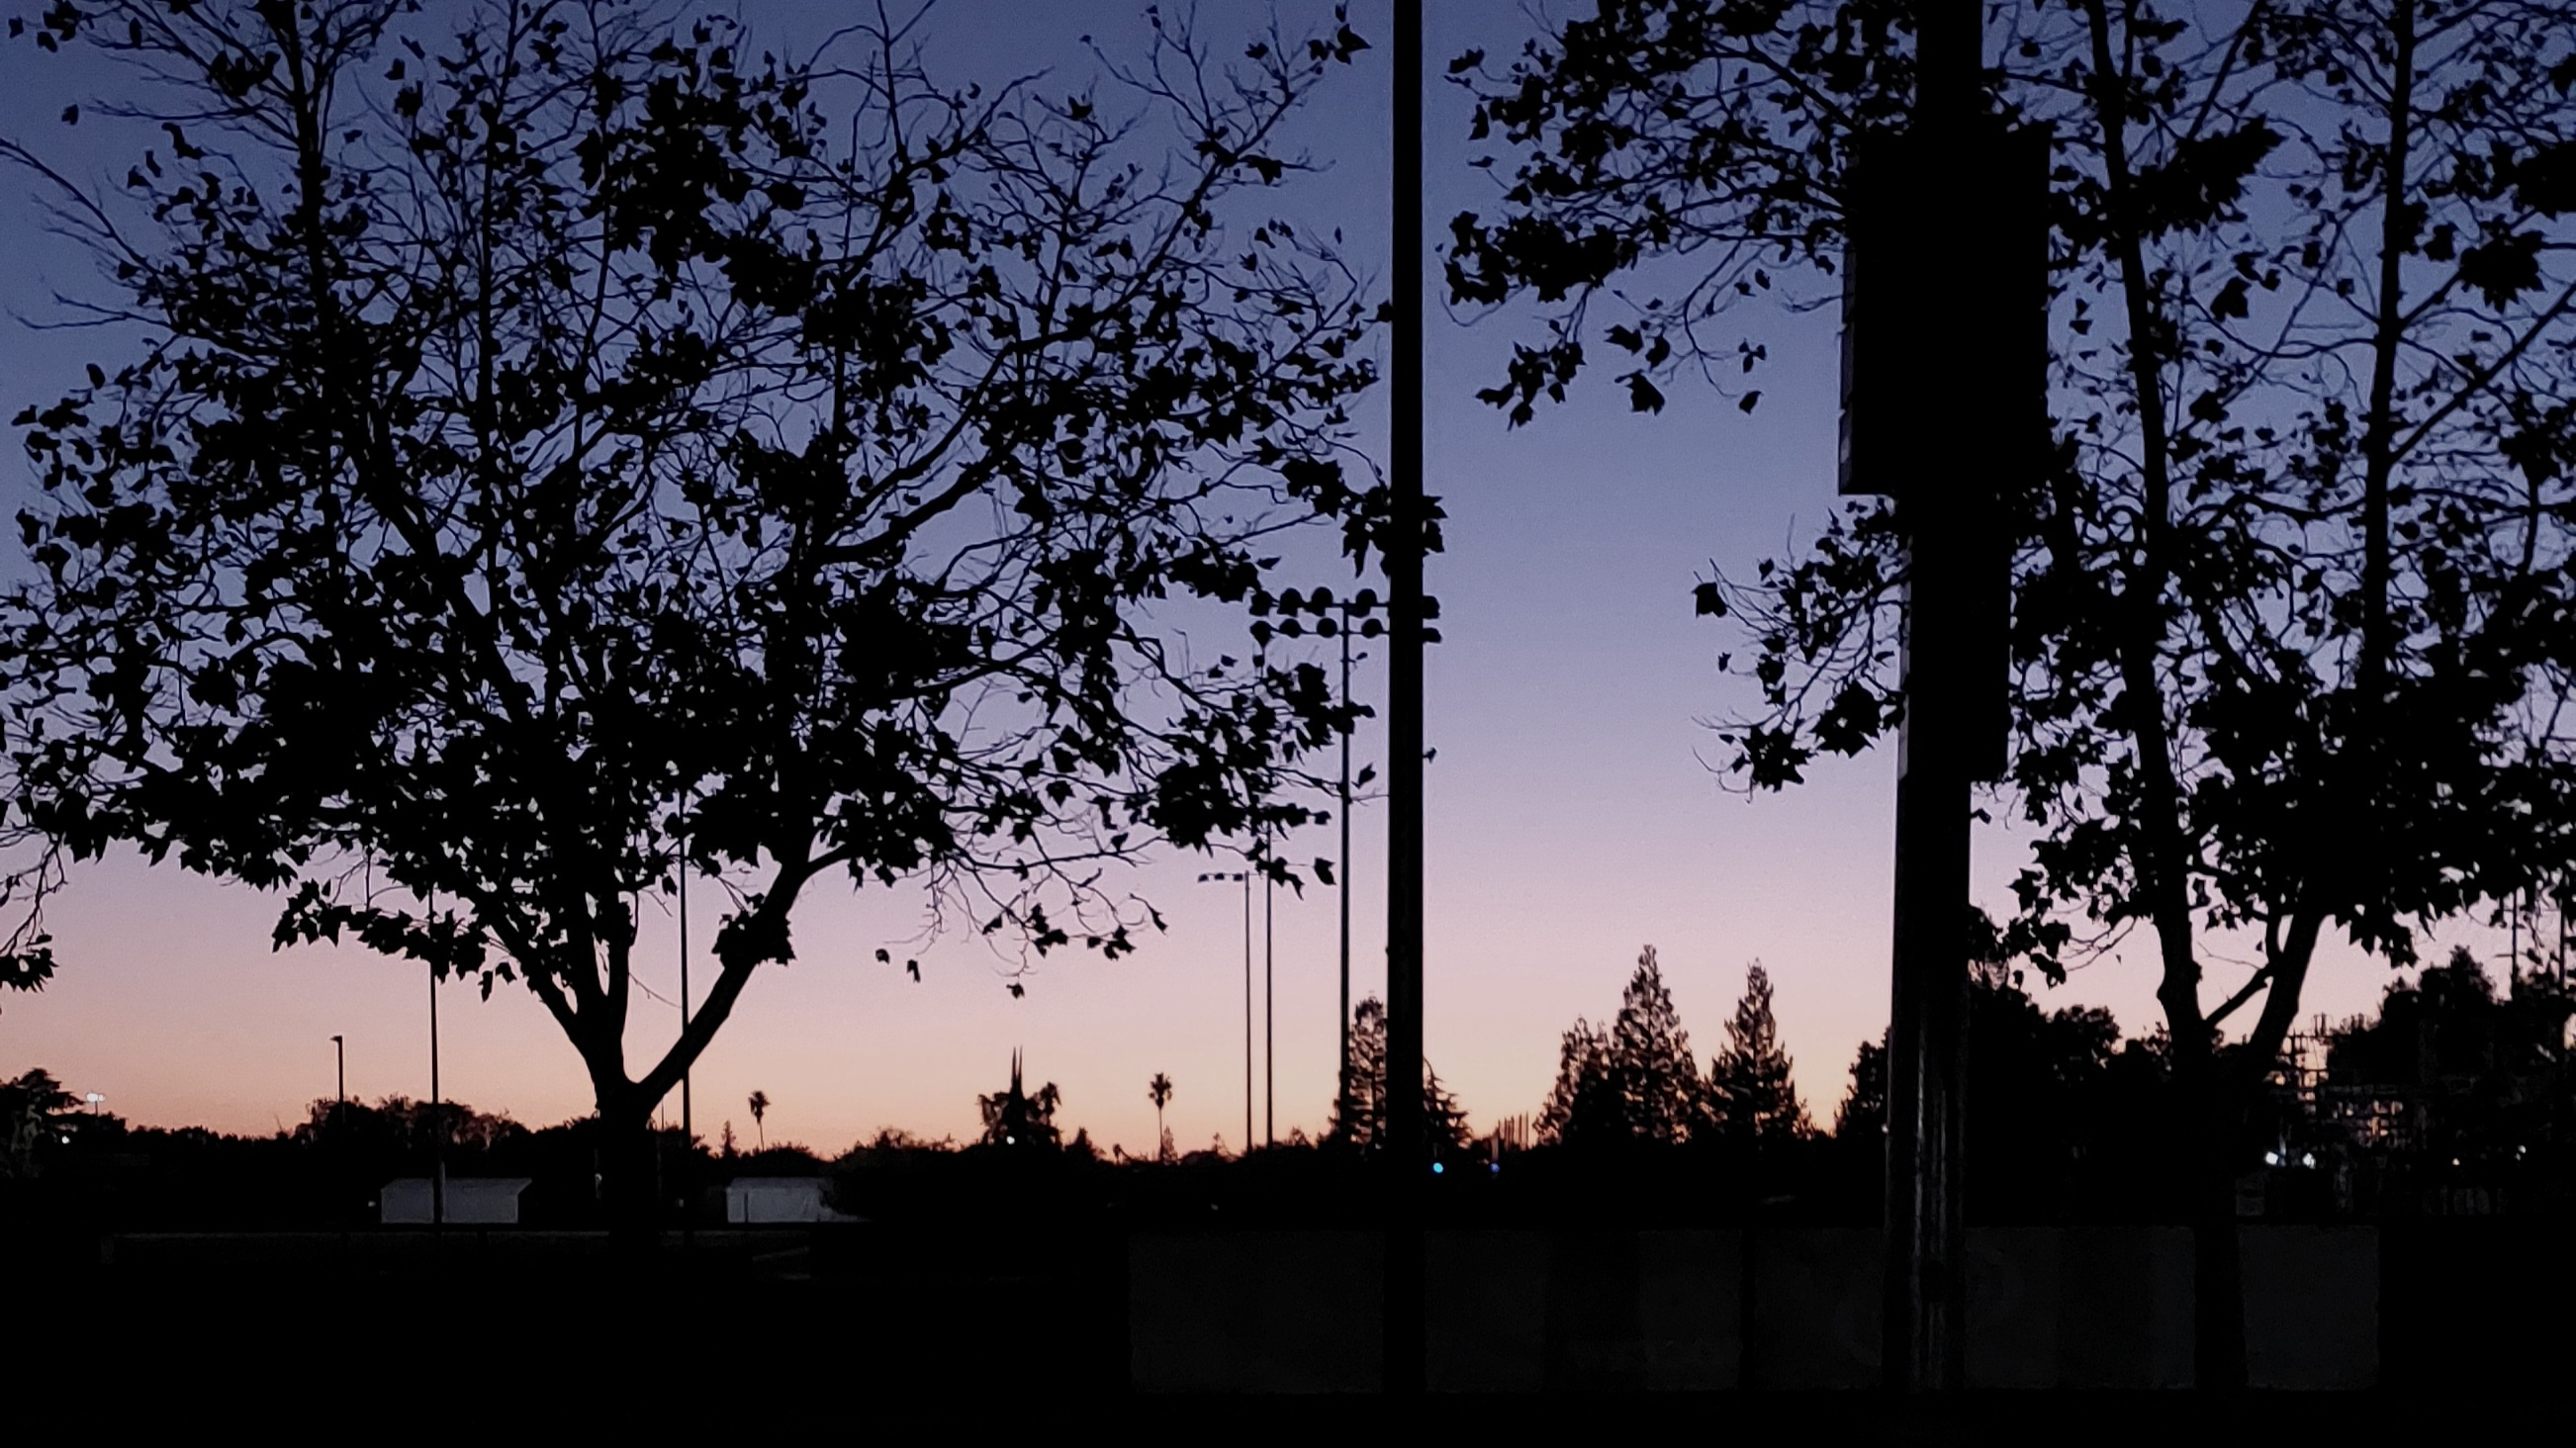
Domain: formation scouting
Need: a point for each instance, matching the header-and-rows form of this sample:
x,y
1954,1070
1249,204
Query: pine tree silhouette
x,y
1650,1059
1635,1081
1444,1121
1751,1096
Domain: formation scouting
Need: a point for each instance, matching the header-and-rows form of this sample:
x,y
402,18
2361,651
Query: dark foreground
x,y
2455,1322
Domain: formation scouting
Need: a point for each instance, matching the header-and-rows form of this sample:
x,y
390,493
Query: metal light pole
x,y
688,1121
437,1106
1228,877
1403,556
1269,1014
340,1108
1350,606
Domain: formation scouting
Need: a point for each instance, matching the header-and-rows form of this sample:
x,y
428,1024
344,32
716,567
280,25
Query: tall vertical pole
x,y
688,1122
437,1107
340,1129
1342,1074
1944,527
1404,1153
1246,877
1269,1013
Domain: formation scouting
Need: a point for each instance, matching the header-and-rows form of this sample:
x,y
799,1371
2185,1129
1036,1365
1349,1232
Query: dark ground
x,y
844,1328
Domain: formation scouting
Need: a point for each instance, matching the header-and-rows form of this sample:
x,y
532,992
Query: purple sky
x,y
1570,818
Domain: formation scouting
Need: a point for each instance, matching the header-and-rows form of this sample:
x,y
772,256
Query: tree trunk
x,y
2210,1119
630,1186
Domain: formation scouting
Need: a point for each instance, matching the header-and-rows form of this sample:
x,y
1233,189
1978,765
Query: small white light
x,y
2271,1158
2310,1159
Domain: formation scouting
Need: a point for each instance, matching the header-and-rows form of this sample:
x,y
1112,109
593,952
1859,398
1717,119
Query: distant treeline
x,y
2453,1096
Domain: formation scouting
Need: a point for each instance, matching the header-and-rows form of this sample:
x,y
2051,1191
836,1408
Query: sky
x,y
1571,815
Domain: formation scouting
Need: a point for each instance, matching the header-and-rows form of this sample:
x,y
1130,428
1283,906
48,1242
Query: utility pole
x,y
1404,1155
1945,407
340,1106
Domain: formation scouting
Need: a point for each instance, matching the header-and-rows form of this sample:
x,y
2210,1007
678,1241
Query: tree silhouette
x,y
2484,1072
2288,642
1636,1082
1584,1106
1159,1090
29,1107
1359,1127
759,1116
1752,1097
1863,1113
1656,1077
566,455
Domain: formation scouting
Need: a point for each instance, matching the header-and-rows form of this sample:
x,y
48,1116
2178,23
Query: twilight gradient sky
x,y
1570,817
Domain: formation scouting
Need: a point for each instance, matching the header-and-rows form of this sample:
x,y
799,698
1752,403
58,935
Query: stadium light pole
x,y
437,1104
1229,877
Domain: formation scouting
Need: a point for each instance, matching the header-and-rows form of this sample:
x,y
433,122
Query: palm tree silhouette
x,y
760,1109
1160,1089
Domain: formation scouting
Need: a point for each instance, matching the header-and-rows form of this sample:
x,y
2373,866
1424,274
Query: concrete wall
x,y
2100,1307
469,1201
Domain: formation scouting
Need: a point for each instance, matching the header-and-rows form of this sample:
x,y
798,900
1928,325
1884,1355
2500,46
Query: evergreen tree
x,y
1863,1113
1751,1095
1634,1082
1355,1122
1583,1107
1650,1058
1363,1125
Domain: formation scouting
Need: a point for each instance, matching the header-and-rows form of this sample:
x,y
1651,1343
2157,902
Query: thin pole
x,y
1269,1014
340,1131
437,1109
1403,560
1342,1074
1246,877
688,1121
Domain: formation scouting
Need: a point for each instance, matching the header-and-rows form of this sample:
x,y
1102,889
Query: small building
x,y
471,1201
769,1201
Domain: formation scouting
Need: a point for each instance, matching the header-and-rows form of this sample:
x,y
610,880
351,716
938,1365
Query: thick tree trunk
x,y
630,1185
2210,1118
